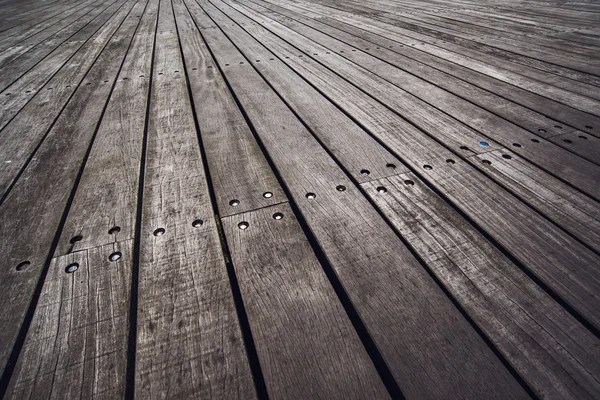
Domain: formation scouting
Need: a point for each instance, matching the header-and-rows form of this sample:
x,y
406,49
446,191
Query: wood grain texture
x,y
358,243
24,133
239,171
553,352
527,235
291,305
441,114
16,95
189,340
40,196
76,346
104,207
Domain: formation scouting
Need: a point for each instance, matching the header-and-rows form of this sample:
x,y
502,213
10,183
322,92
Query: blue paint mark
x,y
484,144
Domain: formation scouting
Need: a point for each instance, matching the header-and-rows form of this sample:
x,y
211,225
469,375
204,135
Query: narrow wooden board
x,y
527,235
241,177
553,352
189,342
41,195
306,344
15,96
443,115
357,243
77,342
104,207
22,135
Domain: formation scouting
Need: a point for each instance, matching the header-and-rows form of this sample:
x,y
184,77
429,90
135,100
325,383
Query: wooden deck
x,y
300,199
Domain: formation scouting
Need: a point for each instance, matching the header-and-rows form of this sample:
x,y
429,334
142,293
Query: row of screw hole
x,y
245,224
367,172
115,256
236,202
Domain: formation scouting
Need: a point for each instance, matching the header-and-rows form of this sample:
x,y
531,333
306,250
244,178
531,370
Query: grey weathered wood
x,y
21,136
240,174
439,113
292,306
16,95
358,243
189,342
40,197
414,62
104,208
526,234
361,154
33,49
76,346
19,44
555,354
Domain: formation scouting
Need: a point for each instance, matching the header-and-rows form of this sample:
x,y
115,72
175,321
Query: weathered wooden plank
x,y
189,340
104,207
306,344
41,195
528,236
37,46
241,177
454,54
555,354
358,244
23,134
414,62
77,342
26,40
437,112
98,366
17,93
363,156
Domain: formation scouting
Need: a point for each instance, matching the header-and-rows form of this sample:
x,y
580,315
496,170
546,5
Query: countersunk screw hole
x,y
267,195
390,165
243,225
582,137
278,216
517,145
310,195
234,202
450,161
535,140
159,232
558,126
115,256
427,166
76,239
464,148
365,171
589,127
409,182
488,162
542,130
381,189
114,229
506,156
72,268
197,223
340,188
22,265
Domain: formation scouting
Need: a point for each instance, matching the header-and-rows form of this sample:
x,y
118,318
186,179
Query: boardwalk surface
x,y
300,199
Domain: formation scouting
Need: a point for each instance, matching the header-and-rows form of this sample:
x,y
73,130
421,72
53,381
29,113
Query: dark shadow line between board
x,y
244,322
502,249
371,348
135,266
22,335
